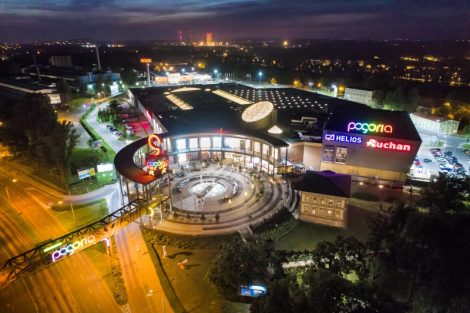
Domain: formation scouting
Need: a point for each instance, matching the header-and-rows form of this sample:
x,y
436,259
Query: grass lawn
x,y
187,290
89,184
466,146
307,235
84,213
195,293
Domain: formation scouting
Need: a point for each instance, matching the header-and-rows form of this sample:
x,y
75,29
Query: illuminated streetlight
x,y
14,180
260,74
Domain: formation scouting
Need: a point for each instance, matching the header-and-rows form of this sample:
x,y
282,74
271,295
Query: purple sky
x,y
29,20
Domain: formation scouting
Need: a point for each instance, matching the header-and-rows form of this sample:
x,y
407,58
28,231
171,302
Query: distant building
x,y
434,124
60,61
360,96
24,87
324,198
78,79
180,36
209,39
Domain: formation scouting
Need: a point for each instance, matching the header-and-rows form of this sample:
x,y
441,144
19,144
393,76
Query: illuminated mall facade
x,y
280,130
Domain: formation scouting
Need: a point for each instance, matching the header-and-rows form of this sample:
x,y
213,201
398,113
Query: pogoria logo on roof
x,y
370,127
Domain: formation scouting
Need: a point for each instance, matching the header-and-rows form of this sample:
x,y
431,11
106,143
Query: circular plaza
x,y
199,197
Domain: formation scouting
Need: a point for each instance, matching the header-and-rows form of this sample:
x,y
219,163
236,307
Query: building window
x,y
205,143
181,144
257,147
216,142
193,143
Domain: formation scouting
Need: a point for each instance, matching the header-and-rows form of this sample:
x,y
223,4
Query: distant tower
x,y
191,36
209,40
180,36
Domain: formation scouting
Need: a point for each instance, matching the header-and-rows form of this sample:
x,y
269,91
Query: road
x,y
101,129
76,283
74,115
144,289
71,285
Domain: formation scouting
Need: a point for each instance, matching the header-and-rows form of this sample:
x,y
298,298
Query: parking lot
x,y
448,158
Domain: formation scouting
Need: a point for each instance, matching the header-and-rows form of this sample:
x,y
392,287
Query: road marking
x,y
99,306
90,291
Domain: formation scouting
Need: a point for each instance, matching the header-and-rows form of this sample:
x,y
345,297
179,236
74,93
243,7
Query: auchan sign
x,y
370,127
387,145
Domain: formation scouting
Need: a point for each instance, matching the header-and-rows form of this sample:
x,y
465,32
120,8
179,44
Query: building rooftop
x,y
297,113
431,117
325,182
400,121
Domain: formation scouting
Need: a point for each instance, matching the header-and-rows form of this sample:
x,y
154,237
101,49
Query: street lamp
x,y
216,71
260,74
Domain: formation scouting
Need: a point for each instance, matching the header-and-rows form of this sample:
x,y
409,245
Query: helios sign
x,y
370,127
343,138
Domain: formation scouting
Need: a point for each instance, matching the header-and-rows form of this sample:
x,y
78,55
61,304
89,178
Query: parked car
x,y
426,160
109,126
118,134
448,153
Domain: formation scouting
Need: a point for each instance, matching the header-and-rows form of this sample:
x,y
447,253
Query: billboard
x,y
328,153
85,173
341,155
105,167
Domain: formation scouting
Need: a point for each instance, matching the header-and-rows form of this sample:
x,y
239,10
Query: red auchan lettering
x,y
387,145
370,127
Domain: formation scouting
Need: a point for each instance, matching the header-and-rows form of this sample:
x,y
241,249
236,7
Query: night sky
x,y
30,20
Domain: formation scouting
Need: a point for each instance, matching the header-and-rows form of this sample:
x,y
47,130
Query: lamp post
x,y
260,74
216,72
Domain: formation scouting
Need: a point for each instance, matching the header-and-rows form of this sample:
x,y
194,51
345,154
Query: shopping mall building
x,y
280,129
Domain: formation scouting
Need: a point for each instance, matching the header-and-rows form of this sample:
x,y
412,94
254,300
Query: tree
x,y
448,194
32,131
427,253
344,256
237,264
129,76
278,301
63,87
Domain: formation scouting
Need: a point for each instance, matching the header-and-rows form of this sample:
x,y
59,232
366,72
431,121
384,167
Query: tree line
x,y
33,134
414,260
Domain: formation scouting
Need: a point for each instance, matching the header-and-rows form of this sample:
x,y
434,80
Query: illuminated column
x,y
148,74
169,192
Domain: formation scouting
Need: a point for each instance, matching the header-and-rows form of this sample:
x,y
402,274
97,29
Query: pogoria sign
x,y
370,127
76,245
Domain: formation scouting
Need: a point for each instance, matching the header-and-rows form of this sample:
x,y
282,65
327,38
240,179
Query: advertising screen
x,y
252,291
341,155
328,153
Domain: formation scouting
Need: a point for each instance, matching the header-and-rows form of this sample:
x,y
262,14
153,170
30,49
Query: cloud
x,y
111,19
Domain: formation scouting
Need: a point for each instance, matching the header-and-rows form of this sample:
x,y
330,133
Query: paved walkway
x,y
246,209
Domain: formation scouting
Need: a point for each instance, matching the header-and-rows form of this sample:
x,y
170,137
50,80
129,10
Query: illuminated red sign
x,y
156,161
387,145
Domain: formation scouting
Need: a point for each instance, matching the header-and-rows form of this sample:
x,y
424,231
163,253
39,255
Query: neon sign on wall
x,y
343,138
387,145
156,161
370,127
77,245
